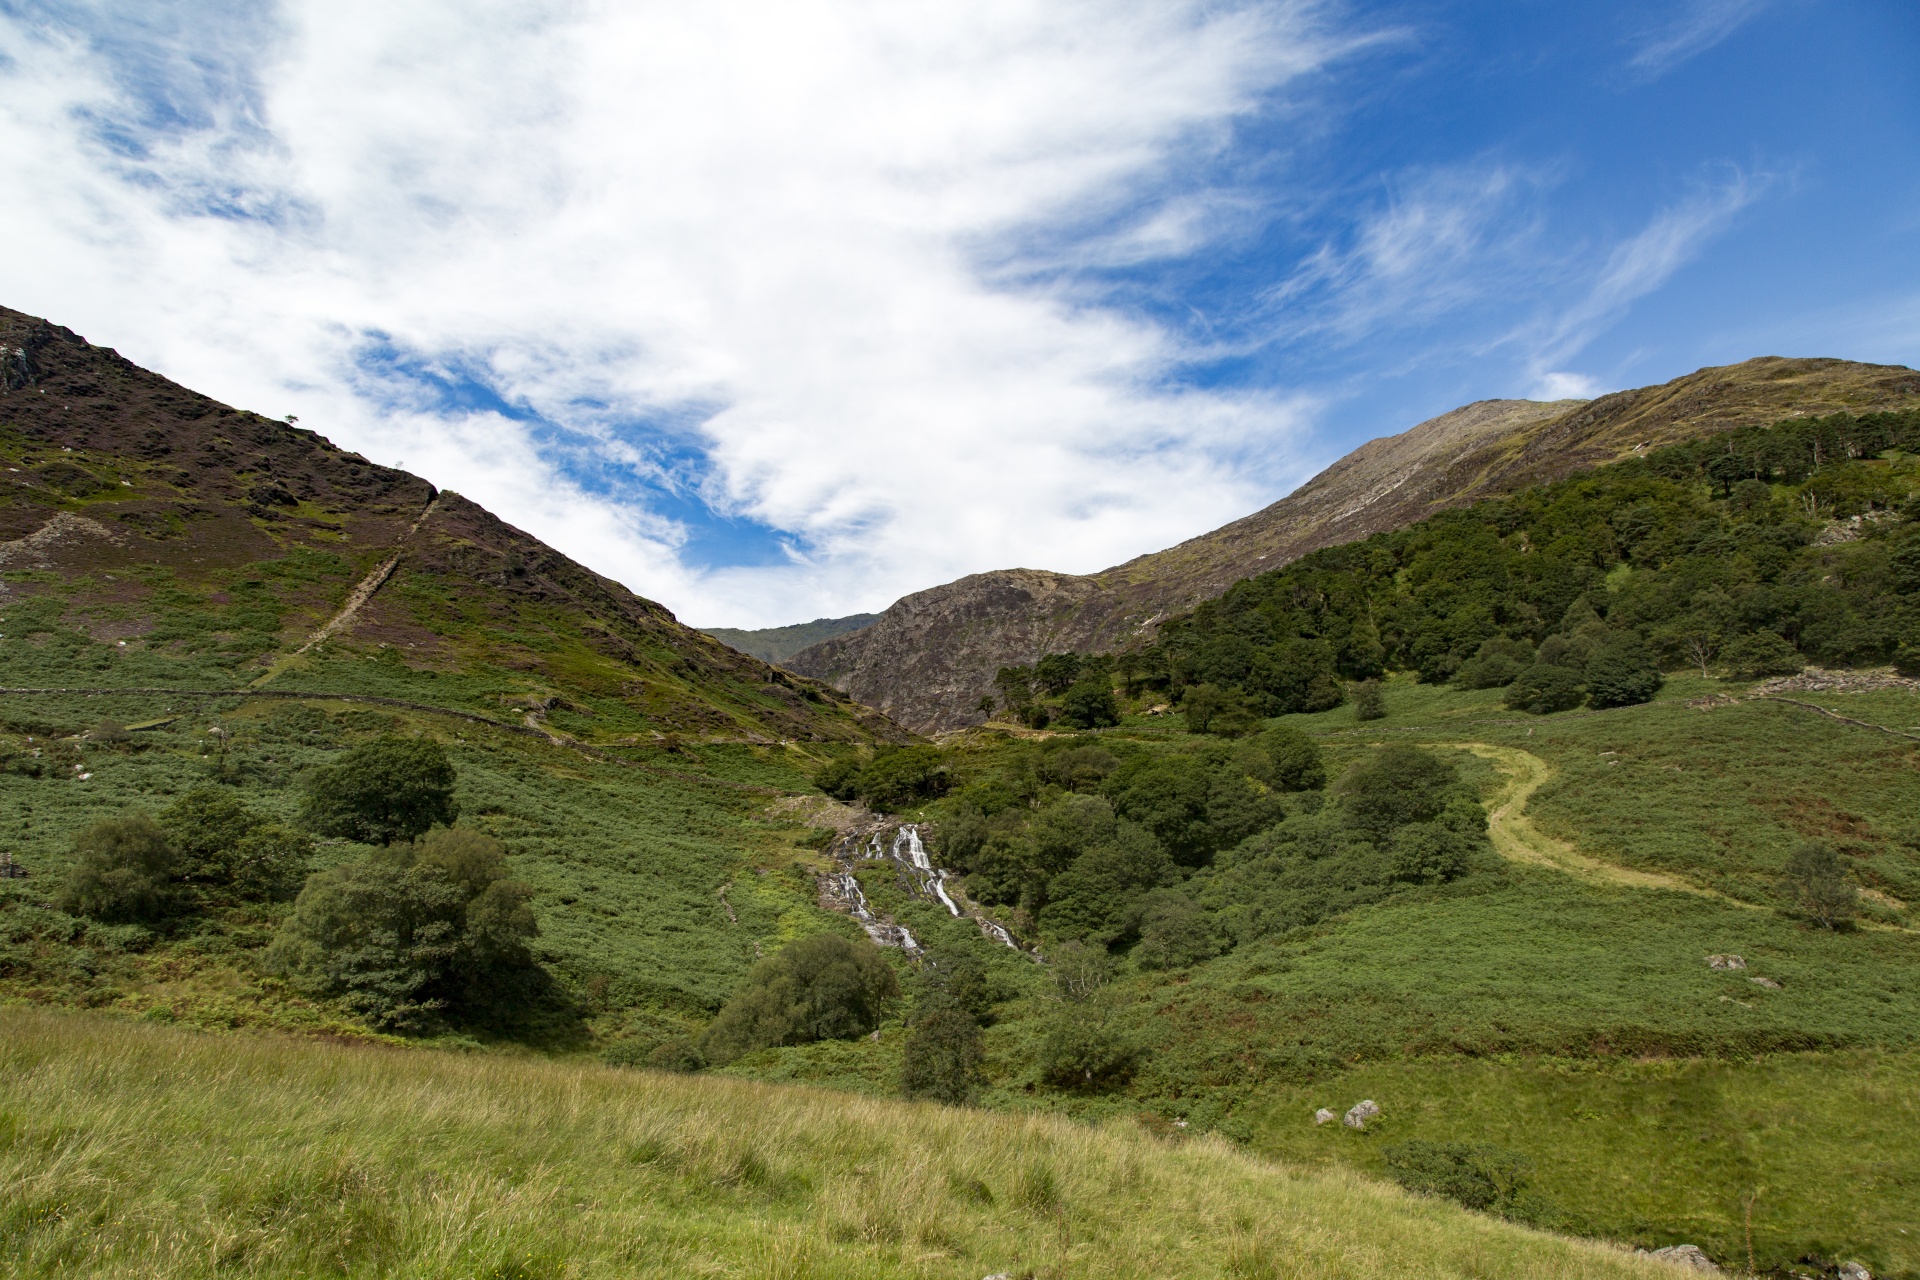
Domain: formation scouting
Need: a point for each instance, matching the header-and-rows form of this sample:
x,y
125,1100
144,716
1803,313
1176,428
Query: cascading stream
x,y
908,851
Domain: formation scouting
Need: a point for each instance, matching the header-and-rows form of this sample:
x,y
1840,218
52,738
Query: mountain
x,y
932,655
218,547
776,644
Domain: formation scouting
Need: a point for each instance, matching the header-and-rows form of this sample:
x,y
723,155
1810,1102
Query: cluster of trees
x,y
1074,690
427,928
891,779
1177,855
1707,555
819,988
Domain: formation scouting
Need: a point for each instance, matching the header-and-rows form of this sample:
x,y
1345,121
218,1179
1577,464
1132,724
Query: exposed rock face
x,y
1686,1256
932,655
1361,1112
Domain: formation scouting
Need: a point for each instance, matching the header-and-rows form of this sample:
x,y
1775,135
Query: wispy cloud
x,y
694,292
1702,24
1635,268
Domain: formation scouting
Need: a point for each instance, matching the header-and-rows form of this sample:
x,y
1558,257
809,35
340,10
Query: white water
x,y
910,853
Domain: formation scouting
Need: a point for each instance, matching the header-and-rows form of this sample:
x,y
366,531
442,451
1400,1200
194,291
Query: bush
x,y
1285,759
1174,932
1498,662
819,988
1369,702
1083,1051
1202,704
392,790
1759,654
413,932
900,776
840,778
677,1055
1485,1178
1817,882
1429,853
942,1057
224,850
1545,688
1622,673
124,874
1393,787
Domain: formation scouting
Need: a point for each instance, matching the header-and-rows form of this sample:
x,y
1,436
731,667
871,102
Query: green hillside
x,y
776,644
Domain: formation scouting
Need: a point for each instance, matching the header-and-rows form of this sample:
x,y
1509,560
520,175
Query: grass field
x,y
135,1150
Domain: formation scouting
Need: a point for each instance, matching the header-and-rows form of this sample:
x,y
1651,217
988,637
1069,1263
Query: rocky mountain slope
x,y
215,547
933,654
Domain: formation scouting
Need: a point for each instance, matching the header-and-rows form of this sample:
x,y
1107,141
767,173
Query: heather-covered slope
x,y
219,548
933,654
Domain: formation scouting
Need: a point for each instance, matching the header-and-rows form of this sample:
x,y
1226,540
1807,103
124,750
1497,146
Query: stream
x,y
924,880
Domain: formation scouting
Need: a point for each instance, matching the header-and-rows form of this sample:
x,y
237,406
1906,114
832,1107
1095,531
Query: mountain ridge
x,y
932,655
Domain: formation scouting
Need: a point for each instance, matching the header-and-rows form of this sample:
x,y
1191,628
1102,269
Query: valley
x,y
1563,810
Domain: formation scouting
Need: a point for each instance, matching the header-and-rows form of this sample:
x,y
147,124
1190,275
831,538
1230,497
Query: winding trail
x,y
1517,839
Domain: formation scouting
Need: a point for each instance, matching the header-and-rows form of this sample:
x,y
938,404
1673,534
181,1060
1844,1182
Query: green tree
x,y
413,933
1057,672
1817,882
900,776
1089,704
1545,688
942,1056
123,873
1202,704
224,850
1283,758
1084,1051
386,791
1761,653
840,778
1393,787
819,988
1429,853
1621,673
1497,662
1174,932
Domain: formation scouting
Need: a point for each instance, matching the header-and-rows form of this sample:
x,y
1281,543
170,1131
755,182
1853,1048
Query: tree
x,y
1818,884
1545,688
985,705
840,778
1429,853
1368,701
1285,759
900,776
1057,672
1174,932
1621,673
819,988
1498,661
1089,704
386,791
1393,787
124,872
412,933
941,1059
224,850
1083,1050
1761,653
1203,704
1016,686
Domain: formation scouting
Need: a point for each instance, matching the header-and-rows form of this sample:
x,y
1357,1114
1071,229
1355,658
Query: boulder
x,y
1323,1115
1361,1112
1725,962
1854,1271
1688,1256
1768,983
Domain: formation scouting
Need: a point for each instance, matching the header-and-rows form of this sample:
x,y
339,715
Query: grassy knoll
x,y
141,1150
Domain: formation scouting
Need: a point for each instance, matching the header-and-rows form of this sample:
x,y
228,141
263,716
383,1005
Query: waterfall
x,y
908,851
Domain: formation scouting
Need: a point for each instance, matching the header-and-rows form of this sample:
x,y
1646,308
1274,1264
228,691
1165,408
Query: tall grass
x,y
137,1150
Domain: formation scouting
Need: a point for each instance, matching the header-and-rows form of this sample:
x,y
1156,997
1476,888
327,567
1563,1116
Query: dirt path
x,y
1516,838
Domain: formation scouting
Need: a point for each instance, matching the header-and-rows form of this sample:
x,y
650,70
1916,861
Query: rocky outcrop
x,y
929,658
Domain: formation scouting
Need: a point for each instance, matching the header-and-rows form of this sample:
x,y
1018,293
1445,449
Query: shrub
x,y
1174,932
676,1055
1369,703
1201,704
1429,853
413,932
819,988
1486,1178
1285,759
1498,662
840,778
941,1059
1083,1051
900,776
386,791
224,850
1817,882
1393,787
124,874
1545,688
1761,653
1622,673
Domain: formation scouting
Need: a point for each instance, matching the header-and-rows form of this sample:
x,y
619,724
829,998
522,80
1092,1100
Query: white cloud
x,y
754,225
1701,25
1561,385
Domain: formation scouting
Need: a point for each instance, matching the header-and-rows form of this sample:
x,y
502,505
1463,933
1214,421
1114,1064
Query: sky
x,y
782,309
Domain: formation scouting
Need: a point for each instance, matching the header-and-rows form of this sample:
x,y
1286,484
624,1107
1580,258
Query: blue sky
x,y
779,310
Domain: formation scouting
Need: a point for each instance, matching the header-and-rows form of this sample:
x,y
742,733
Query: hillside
x,y
932,655
776,644
207,545
145,1151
